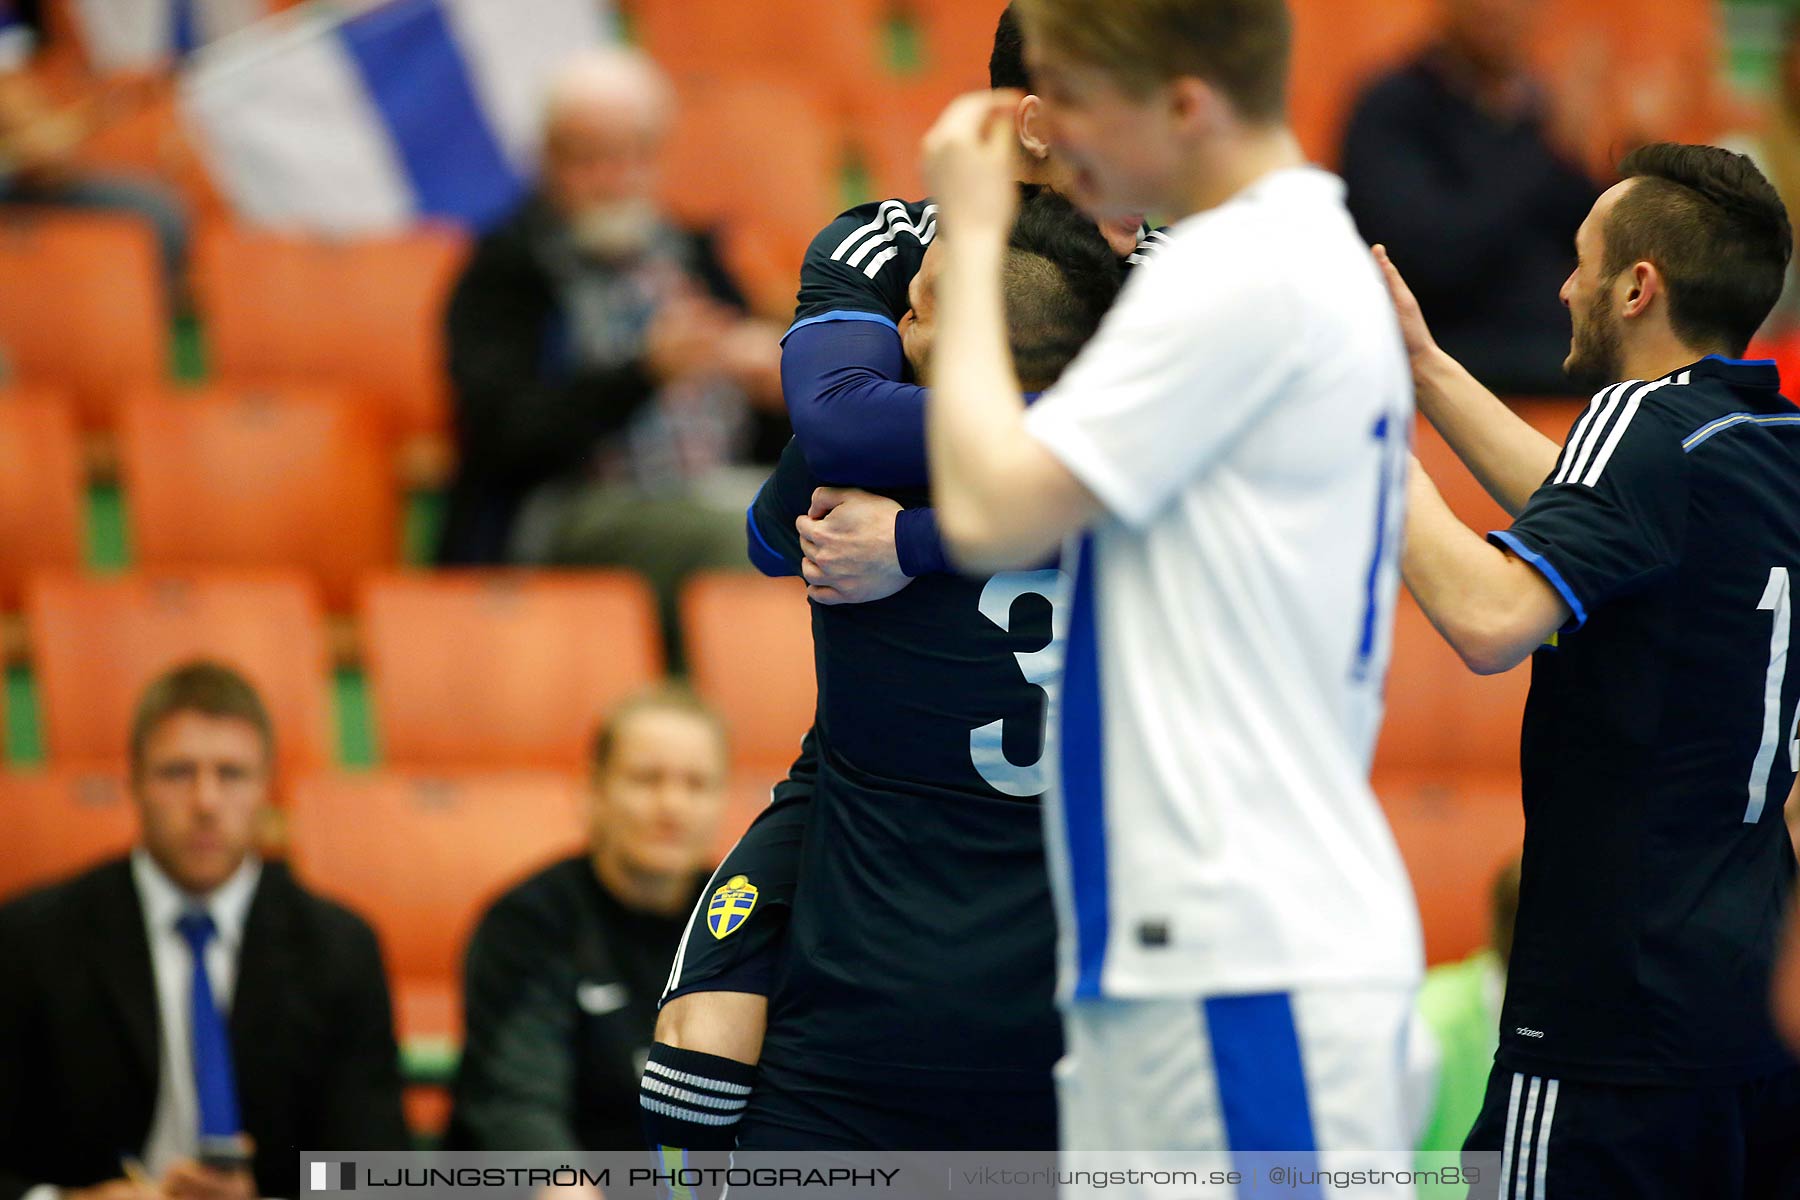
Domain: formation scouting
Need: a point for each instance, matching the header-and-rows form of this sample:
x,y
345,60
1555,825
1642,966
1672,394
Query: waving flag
x,y
127,34
363,117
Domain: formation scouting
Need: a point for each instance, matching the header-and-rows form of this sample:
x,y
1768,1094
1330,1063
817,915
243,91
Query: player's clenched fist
x,y
970,162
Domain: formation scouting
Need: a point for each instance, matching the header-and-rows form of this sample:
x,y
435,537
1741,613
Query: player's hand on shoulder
x,y
1413,329
847,539
969,163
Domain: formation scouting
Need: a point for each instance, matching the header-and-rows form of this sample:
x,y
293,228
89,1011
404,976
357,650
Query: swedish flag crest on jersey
x,y
730,905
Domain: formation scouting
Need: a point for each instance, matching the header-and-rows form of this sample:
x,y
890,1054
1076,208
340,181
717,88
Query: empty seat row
x,y
84,310
294,475
466,670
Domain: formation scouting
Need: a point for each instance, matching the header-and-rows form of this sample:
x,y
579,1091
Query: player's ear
x,y
1645,284
1028,122
1196,106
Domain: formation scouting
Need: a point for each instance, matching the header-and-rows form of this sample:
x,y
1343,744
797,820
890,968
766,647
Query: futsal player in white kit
x,y
1227,462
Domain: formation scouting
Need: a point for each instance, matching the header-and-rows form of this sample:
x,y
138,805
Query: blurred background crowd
x,y
417,360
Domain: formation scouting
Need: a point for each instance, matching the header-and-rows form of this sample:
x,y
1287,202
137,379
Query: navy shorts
x,y
733,939
1569,1140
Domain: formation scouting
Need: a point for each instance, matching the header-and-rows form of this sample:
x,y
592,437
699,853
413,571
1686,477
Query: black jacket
x,y
1479,215
311,1032
522,419
560,988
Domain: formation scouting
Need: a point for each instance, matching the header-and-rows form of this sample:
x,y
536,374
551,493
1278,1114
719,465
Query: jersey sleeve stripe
x,y
842,314
1573,445
879,261
1597,432
1618,431
883,214
1548,570
874,235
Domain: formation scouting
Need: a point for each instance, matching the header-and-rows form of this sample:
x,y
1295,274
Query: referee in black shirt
x,y
1652,566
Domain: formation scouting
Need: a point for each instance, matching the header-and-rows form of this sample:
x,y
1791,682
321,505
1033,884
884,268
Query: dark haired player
x,y
858,418
1651,567
926,896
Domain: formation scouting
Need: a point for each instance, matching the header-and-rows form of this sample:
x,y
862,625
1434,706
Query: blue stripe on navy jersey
x,y
1548,571
1261,1081
841,314
1706,431
1083,780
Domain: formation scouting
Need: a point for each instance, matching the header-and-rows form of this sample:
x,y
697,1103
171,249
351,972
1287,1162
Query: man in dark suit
x,y
190,1016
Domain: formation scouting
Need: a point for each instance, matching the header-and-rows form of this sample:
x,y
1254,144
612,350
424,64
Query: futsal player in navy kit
x,y
1650,574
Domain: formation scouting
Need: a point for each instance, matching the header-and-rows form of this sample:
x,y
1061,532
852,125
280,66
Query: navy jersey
x,y
1659,739
862,263
921,945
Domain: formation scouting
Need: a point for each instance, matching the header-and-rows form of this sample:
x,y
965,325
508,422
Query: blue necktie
x,y
184,36
214,1080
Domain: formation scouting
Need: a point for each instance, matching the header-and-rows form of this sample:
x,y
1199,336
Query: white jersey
x,y
1244,414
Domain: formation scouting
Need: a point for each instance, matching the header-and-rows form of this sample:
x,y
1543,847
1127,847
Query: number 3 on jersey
x,y
1042,669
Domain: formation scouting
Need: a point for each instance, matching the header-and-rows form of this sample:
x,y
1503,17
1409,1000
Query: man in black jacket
x,y
1467,168
563,974
189,1012
604,375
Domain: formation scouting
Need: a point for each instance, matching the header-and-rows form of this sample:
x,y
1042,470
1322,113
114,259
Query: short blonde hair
x,y
1240,47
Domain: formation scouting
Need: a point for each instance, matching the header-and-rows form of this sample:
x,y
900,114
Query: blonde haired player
x,y
1239,945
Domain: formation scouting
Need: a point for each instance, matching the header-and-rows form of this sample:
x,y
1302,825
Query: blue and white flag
x,y
365,116
141,34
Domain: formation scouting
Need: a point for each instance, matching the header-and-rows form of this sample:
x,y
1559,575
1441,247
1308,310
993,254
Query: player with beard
x,y
1649,574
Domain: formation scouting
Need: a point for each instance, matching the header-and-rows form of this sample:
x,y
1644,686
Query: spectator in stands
x,y
39,141
1467,169
168,1014
563,975
1457,1033
605,377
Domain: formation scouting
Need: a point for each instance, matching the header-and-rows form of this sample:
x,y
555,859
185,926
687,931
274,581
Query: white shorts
x,y
1318,1071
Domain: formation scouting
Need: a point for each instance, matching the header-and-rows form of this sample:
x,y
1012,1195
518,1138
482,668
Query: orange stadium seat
x,y
148,138
96,643
837,45
59,822
495,670
421,857
958,38
888,139
363,313
1453,847
749,646
40,488
283,476
83,308
732,137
